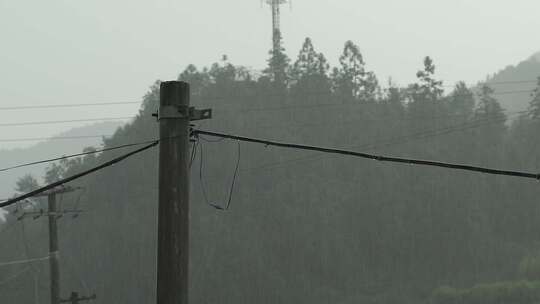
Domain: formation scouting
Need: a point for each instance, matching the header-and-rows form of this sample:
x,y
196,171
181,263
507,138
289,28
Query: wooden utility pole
x,y
173,213
53,214
53,249
174,117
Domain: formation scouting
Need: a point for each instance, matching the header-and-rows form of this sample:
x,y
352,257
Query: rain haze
x,y
107,51
332,152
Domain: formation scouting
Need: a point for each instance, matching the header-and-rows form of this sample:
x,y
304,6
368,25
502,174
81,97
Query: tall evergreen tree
x,y
428,89
351,80
461,101
488,106
310,71
393,99
490,116
309,62
425,97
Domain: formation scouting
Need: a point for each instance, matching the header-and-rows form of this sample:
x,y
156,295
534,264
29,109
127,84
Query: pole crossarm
x,y
58,214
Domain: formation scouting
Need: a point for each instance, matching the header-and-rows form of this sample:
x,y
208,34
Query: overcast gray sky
x,y
77,51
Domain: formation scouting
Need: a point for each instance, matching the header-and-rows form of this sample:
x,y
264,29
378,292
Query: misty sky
x,y
107,51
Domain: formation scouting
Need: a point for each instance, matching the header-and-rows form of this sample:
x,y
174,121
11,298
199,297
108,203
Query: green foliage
x,y
521,292
462,101
315,229
428,89
278,65
55,172
26,183
490,115
529,267
488,106
534,106
310,71
309,62
223,74
351,80
197,80
445,295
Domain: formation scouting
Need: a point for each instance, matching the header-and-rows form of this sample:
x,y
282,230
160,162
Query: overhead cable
x,y
76,176
381,158
52,138
75,155
48,122
73,105
25,261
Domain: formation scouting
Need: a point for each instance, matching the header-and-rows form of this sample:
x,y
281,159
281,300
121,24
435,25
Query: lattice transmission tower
x,y
276,31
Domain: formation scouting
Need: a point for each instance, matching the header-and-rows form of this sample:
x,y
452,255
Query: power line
x,y
237,107
73,105
489,83
426,134
76,155
28,123
378,118
382,158
25,261
252,109
76,176
509,82
259,127
52,138
422,134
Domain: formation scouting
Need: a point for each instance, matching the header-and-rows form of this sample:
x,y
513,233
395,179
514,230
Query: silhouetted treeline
x,y
307,227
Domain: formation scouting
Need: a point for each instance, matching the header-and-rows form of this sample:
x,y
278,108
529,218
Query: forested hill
x,y
515,82
49,148
306,227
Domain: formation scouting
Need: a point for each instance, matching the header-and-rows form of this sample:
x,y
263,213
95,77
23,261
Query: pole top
x,y
174,93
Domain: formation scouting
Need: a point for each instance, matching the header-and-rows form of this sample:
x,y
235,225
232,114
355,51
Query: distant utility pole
x,y
276,27
174,116
53,246
53,214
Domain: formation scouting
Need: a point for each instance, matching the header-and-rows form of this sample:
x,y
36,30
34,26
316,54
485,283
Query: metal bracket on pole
x,y
195,114
182,112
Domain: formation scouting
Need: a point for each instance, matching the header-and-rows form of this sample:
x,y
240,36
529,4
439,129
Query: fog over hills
x,y
536,57
515,95
49,149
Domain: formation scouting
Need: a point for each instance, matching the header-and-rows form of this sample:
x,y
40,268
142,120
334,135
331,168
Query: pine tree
x,y
310,71
488,106
428,89
461,101
394,98
309,62
490,116
351,79
425,97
